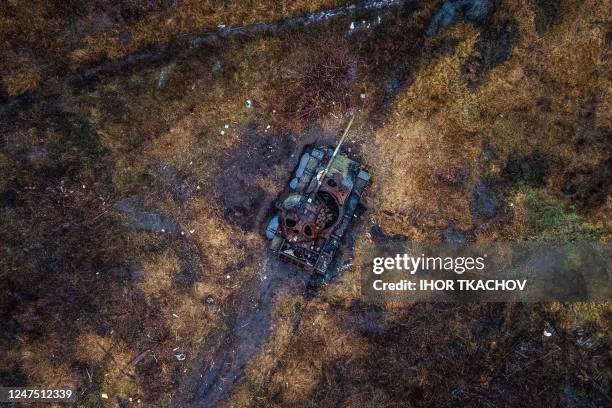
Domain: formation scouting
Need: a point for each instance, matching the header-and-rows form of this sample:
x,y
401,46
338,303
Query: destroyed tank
x,y
314,212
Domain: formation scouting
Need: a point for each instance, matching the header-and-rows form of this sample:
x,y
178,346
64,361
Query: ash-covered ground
x,y
143,143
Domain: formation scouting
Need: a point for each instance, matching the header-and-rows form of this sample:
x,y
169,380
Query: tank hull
x,y
314,212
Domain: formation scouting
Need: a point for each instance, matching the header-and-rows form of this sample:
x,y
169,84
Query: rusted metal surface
x,y
314,212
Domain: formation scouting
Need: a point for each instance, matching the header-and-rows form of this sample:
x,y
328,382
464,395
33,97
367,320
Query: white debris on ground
x,y
248,103
345,267
364,25
179,355
549,330
162,78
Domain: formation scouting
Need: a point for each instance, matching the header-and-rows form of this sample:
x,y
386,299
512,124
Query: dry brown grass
x,y
70,35
420,154
19,83
321,80
159,274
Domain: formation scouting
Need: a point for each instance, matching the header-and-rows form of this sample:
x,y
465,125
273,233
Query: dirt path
x,y
222,361
187,44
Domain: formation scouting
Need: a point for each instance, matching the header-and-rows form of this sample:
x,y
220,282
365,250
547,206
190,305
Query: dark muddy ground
x,y
260,156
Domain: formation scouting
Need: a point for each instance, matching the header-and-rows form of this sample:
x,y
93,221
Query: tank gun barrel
x,y
346,130
331,159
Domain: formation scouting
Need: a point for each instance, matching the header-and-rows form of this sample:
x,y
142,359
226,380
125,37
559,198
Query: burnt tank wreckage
x,y
314,212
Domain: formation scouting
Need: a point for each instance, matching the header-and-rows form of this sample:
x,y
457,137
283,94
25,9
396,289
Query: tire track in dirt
x,y
187,44
248,333
221,363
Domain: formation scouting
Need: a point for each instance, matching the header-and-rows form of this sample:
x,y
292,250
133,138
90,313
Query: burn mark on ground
x,y
589,187
145,220
454,236
587,183
484,203
180,188
530,169
257,156
192,261
547,13
368,320
494,47
381,237
257,170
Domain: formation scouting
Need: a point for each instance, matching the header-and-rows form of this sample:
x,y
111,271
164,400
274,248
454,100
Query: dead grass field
x,y
130,204
48,38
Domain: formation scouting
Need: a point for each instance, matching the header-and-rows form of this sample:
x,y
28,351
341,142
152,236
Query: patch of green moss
x,y
550,219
